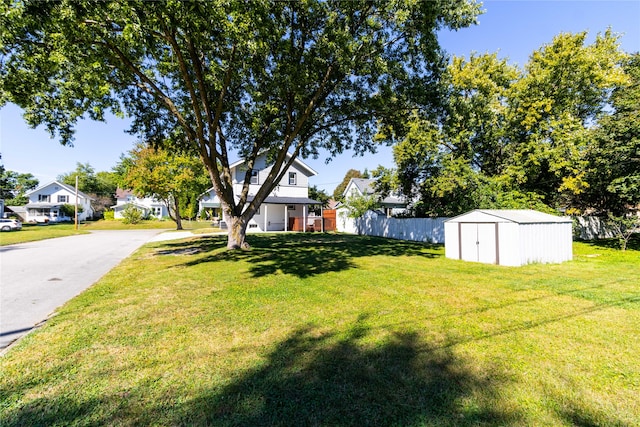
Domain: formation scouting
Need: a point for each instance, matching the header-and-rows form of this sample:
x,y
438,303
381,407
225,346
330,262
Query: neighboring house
x,y
45,203
285,209
147,205
393,204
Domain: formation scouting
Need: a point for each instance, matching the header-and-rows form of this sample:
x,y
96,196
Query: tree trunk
x,y
237,233
178,221
173,203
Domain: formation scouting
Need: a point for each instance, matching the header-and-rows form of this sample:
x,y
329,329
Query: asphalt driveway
x,y
38,277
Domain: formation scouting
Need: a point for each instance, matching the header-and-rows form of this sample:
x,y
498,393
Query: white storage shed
x,y
508,237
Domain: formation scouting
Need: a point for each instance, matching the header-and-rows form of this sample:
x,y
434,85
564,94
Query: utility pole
x,y
76,217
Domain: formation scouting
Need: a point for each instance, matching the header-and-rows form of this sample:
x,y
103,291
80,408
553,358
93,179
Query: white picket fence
x,y
416,229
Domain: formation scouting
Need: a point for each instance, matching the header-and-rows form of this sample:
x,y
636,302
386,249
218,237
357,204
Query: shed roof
x,y
519,216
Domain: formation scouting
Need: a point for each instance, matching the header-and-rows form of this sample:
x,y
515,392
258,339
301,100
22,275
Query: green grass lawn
x,y
335,330
31,233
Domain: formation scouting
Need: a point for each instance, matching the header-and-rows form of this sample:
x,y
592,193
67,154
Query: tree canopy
x,y
163,175
224,77
15,185
613,157
539,137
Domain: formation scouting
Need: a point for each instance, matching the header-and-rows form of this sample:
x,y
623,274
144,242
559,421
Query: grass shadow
x,y
301,254
633,243
313,379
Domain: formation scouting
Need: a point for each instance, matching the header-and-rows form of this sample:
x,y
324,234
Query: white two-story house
x,y
285,209
45,203
147,205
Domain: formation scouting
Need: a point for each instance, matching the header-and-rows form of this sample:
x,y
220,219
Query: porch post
x,y
304,218
266,215
321,218
286,217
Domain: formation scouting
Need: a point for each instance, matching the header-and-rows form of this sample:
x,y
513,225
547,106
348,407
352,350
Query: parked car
x,y
8,224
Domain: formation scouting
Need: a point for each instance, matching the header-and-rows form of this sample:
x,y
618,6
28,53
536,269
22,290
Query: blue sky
x,y
513,28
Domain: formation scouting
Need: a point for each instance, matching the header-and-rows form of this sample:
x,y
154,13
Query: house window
x,y
291,207
254,176
292,178
157,211
63,199
44,198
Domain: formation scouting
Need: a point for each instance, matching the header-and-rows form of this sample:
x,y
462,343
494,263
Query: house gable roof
x,y
366,187
69,188
122,193
303,167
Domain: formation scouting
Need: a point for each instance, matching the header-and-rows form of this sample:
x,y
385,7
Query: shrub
x,y
108,215
132,215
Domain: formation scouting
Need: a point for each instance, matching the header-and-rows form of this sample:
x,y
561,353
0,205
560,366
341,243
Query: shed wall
x,y
509,244
545,243
451,244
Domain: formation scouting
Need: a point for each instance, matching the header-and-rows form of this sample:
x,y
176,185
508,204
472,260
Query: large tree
x,y
228,76
15,185
613,156
565,88
510,138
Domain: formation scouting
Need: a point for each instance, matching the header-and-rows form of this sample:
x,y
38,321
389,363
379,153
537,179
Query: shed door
x,y
478,242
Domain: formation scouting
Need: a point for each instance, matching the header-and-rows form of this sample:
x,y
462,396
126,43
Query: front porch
x,y
274,214
282,214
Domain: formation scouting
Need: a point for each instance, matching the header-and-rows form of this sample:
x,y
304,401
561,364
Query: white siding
x,y
545,243
509,243
451,245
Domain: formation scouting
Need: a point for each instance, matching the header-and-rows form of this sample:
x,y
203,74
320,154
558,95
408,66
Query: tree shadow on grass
x,y
313,379
302,255
633,243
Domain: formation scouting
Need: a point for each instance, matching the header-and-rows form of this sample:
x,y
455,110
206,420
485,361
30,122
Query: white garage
x,y
508,237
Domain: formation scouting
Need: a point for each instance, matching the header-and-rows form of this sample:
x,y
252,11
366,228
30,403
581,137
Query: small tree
x,y
358,205
624,227
171,177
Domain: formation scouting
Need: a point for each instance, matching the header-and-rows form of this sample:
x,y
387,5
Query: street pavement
x,y
38,277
